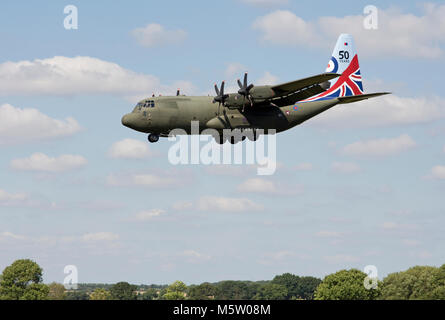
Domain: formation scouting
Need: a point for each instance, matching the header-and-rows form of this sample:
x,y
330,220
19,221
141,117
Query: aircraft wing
x,y
350,99
292,86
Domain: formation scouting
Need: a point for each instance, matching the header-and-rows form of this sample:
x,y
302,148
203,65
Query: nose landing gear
x,y
153,137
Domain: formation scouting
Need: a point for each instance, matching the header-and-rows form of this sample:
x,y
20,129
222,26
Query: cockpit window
x,y
144,104
149,104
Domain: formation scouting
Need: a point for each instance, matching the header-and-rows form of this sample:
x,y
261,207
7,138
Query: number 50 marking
x,y
343,55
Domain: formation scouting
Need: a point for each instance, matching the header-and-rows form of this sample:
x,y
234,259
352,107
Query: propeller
x,y
245,89
220,96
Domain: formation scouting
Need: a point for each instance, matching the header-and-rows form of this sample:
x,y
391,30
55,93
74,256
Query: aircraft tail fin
x,y
344,61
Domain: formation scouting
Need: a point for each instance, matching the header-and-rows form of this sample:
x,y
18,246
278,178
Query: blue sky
x,y
361,184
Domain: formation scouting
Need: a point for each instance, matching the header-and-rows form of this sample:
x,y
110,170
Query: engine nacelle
x,y
262,93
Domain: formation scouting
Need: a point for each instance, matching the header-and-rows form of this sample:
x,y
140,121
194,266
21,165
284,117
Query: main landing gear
x,y
153,137
252,136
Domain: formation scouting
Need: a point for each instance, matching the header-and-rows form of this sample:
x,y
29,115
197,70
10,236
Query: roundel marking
x,y
296,107
332,65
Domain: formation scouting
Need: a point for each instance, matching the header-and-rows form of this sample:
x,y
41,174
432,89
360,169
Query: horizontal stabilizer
x,y
350,99
292,86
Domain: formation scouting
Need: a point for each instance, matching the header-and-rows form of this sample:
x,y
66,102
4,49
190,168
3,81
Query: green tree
x,y
149,294
306,288
439,280
76,295
419,282
236,290
271,291
204,291
22,280
56,291
345,285
100,294
297,287
289,281
123,291
176,291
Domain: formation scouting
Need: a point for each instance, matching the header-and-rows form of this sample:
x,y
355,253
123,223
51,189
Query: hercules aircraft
x,y
279,107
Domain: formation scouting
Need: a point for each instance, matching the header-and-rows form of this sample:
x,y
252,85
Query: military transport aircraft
x,y
279,107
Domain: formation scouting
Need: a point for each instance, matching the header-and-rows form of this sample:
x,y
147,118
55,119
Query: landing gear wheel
x,y
152,137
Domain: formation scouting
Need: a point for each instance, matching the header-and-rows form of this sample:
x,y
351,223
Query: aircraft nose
x,y
126,120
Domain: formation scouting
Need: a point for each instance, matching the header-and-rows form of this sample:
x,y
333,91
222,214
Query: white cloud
x,y
195,256
10,235
12,199
80,75
388,225
24,125
329,234
261,185
281,255
438,172
346,167
130,149
341,259
411,242
266,3
184,205
304,166
398,34
392,226
257,185
211,203
285,28
235,69
63,75
148,214
267,79
230,170
380,147
101,205
155,35
97,243
99,236
382,111
42,162
154,180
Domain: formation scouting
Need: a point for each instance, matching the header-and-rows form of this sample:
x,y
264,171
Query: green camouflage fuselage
x,y
177,112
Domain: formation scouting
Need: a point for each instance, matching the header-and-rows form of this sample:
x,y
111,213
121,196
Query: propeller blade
x,y
240,84
217,90
245,80
222,89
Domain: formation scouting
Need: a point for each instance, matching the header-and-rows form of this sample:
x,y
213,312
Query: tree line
x,y
23,280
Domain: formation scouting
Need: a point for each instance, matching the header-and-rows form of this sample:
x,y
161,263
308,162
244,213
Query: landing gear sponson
x,y
220,139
